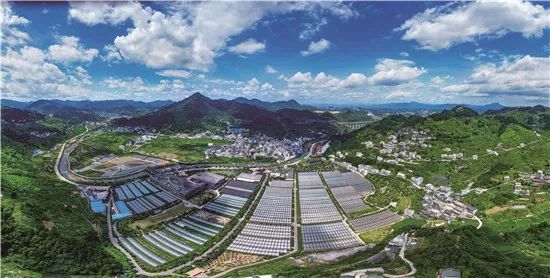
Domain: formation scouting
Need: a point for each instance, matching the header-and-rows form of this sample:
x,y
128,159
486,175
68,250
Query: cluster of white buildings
x,y
443,203
363,169
139,140
537,179
259,145
138,129
401,146
453,156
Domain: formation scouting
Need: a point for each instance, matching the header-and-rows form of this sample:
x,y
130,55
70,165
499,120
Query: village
x,y
259,146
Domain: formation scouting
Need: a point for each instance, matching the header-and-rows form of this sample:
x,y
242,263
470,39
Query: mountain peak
x,y
197,95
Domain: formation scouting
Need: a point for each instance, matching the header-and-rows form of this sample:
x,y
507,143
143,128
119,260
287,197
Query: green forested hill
x,y
46,226
465,132
512,241
198,113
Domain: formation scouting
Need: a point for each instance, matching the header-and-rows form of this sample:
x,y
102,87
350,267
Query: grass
x,y
203,198
164,216
105,143
378,235
393,189
181,149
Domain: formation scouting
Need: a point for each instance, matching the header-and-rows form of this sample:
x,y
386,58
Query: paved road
x,y
402,256
65,173
172,271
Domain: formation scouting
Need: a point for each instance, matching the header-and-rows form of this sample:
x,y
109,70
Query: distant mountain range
x,y
417,106
198,112
274,106
99,106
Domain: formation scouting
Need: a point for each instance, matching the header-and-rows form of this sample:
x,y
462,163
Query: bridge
x,y
354,125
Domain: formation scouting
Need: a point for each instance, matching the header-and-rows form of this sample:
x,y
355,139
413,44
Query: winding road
x,y
64,172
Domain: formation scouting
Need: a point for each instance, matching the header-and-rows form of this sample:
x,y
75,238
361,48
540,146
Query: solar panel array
x,y
141,252
317,207
175,240
275,206
182,236
134,190
328,236
349,199
142,196
282,183
241,189
269,231
309,180
227,205
355,180
374,221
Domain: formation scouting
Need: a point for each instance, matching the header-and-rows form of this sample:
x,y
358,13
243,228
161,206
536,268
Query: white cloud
x,y
312,28
324,81
29,64
248,47
27,74
523,76
270,69
112,55
186,36
9,22
267,87
255,86
70,50
438,80
354,80
317,47
404,54
398,94
299,78
92,13
442,27
252,85
391,72
175,73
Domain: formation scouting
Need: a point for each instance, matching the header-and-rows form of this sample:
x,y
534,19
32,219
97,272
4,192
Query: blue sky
x,y
314,52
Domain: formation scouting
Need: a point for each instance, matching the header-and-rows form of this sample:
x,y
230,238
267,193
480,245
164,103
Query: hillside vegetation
x,y
198,113
46,226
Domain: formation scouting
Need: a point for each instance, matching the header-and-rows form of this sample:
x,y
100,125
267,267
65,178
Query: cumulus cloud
x,y
92,13
312,28
317,47
11,34
444,26
525,76
175,73
111,54
353,80
390,72
186,36
27,72
29,63
247,47
404,54
438,80
70,50
324,81
255,86
270,69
